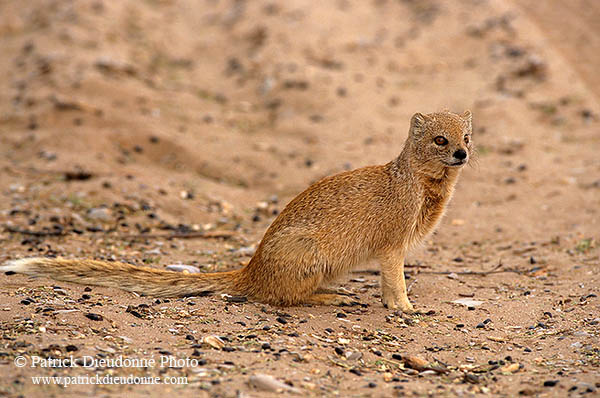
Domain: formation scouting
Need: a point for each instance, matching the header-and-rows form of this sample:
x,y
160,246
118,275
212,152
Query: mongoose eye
x,y
467,139
440,140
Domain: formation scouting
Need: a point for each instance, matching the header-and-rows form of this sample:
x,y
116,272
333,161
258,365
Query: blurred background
x,y
216,113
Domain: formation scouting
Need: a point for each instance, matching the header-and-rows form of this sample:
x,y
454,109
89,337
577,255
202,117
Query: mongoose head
x,y
440,141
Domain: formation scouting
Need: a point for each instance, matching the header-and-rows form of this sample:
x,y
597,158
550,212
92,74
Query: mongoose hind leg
x,y
328,299
393,284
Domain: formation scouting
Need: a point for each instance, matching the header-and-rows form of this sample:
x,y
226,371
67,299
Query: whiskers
x,y
474,159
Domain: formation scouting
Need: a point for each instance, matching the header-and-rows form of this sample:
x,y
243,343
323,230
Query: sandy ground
x,y
124,121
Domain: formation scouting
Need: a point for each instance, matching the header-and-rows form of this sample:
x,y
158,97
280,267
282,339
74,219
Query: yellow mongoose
x,y
338,223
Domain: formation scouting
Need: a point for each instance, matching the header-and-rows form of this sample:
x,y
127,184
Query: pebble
x,y
94,317
281,320
245,251
269,383
214,341
236,299
182,268
99,213
586,387
467,302
550,383
355,371
353,356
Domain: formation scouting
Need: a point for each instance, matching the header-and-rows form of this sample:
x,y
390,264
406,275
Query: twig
x,y
416,266
182,235
411,285
14,230
495,270
178,235
397,363
481,273
343,365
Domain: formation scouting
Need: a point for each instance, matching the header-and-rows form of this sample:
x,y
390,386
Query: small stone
x,y
245,251
269,383
236,299
182,268
415,362
339,350
71,348
214,341
281,320
99,213
586,387
550,383
353,356
94,317
355,371
510,368
471,378
468,302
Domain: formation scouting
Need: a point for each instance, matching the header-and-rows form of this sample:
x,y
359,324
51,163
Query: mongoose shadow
x,y
335,225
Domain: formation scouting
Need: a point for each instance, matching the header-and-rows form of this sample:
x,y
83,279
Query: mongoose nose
x,y
460,154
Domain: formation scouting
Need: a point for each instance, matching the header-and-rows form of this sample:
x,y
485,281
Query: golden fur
x,y
336,224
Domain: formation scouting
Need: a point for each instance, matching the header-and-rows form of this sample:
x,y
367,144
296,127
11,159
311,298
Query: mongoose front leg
x,y
394,295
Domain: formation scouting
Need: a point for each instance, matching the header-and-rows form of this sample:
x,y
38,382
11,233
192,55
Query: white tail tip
x,y
21,265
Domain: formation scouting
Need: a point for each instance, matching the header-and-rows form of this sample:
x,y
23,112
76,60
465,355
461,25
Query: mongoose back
x,y
336,224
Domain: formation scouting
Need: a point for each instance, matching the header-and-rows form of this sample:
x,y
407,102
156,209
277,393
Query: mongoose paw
x,y
328,299
396,304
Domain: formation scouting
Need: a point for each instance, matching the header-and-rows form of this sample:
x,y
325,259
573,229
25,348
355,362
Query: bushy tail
x,y
143,280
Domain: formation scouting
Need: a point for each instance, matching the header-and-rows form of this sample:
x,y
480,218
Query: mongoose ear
x,y
468,117
417,122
